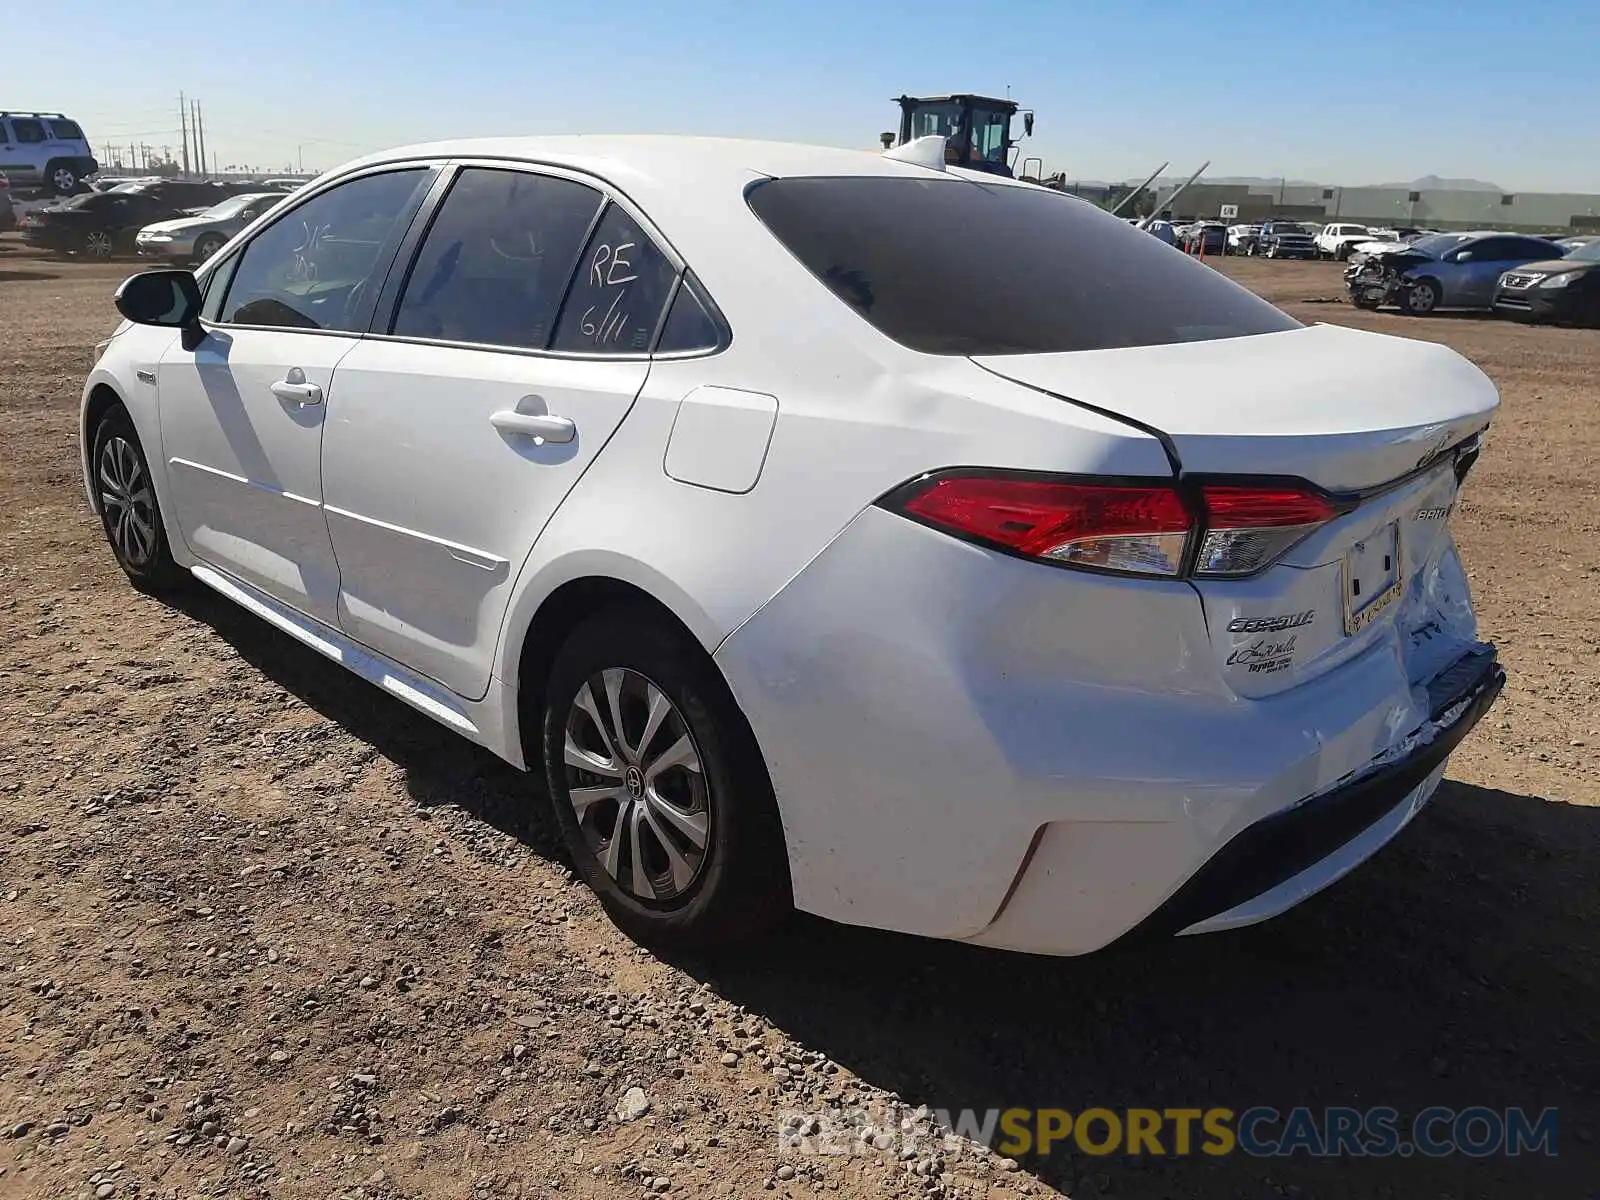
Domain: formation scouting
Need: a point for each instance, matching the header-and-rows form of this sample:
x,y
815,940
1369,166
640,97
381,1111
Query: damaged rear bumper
x,y
1282,859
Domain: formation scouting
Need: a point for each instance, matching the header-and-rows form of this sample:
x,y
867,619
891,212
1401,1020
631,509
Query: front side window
x,y
320,266
1493,249
619,291
948,266
496,259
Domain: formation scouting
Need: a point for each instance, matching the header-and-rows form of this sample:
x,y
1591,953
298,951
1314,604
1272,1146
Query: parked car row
x,y
1516,275
177,220
1283,238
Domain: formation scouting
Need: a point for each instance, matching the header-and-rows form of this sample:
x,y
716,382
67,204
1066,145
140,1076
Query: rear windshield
x,y
948,266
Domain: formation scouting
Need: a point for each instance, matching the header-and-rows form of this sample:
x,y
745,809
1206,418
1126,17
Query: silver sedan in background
x,y
197,238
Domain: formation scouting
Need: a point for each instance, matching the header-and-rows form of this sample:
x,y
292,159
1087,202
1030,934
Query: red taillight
x,y
1139,529
1248,528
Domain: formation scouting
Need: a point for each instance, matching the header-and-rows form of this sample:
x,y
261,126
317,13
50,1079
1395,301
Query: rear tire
x,y
62,178
130,514
676,829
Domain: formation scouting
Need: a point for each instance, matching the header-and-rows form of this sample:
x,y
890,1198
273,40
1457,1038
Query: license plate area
x,y
1370,577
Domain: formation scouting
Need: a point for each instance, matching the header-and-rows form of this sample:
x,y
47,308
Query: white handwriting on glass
x,y
603,272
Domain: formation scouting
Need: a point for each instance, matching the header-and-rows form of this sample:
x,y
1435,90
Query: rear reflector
x,y
1140,529
1126,528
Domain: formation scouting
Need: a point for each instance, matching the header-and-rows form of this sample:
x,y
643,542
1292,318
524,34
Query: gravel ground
x,y
266,932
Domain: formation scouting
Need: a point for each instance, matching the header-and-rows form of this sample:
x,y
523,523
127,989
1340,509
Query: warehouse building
x,y
1530,212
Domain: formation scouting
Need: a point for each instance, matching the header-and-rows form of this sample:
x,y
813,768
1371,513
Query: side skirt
x,y
489,722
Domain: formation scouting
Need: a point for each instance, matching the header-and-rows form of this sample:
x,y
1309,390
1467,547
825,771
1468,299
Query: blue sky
x,y
1353,92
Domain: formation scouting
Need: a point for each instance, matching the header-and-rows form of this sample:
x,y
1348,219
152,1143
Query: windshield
x,y
231,207
82,201
1439,244
1588,252
946,266
1290,227
128,187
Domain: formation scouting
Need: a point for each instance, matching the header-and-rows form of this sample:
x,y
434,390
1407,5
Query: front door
x,y
242,412
452,441
1477,277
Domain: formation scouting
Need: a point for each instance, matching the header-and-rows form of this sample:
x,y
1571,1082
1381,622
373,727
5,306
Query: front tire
x,y
1421,298
206,247
130,514
98,244
658,786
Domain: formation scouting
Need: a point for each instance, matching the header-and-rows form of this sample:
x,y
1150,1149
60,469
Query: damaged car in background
x,y
1446,270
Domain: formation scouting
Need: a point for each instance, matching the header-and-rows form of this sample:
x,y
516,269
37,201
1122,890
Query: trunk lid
x,y
1345,409
1351,412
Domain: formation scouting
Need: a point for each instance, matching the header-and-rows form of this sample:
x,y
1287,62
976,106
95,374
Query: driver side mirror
x,y
1027,123
168,299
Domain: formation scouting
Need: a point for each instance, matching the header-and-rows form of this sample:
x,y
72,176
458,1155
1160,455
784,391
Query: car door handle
x,y
294,389
543,426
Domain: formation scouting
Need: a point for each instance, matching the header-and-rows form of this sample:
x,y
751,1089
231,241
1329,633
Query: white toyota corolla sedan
x,y
921,549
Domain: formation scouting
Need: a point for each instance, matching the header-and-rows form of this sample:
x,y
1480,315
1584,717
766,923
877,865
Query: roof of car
x,y
664,160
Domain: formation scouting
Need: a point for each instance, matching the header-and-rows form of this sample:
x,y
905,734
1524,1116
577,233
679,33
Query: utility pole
x,y
199,137
183,130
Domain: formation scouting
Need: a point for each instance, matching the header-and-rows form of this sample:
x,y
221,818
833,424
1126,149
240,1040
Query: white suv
x,y
44,150
1336,241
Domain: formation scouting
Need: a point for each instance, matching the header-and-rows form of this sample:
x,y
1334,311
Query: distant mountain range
x,y
1428,183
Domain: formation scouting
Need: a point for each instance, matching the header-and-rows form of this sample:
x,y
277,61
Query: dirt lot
x,y
264,931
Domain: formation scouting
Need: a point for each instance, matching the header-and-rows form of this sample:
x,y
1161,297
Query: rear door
x,y
497,371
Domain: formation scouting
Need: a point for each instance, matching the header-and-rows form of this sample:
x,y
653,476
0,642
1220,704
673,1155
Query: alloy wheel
x,y
127,504
636,784
64,180
98,244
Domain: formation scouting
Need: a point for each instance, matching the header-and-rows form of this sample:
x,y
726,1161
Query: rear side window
x,y
618,293
66,131
28,131
690,327
948,266
1538,246
497,259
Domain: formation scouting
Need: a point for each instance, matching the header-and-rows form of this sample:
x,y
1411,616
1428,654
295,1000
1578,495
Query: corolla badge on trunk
x,y
1272,624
